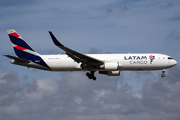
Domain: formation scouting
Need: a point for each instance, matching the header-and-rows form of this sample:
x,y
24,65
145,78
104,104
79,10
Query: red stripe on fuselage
x,y
14,34
20,48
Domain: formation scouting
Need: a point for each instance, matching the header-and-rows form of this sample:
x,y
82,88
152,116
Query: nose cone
x,y
174,62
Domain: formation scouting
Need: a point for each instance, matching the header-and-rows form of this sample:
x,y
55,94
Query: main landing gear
x,y
163,71
91,75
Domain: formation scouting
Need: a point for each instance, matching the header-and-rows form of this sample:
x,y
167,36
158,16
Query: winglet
x,y
56,42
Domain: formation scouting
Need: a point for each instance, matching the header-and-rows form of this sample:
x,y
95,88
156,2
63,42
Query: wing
x,y
76,56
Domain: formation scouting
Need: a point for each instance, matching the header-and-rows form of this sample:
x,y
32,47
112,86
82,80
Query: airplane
x,y
107,64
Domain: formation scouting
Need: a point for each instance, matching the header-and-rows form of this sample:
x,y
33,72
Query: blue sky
x,y
113,26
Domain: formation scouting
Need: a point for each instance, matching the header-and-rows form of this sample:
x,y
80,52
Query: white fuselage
x,y
124,61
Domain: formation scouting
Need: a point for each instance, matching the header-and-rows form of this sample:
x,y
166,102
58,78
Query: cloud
x,y
162,96
75,97
94,50
9,89
54,51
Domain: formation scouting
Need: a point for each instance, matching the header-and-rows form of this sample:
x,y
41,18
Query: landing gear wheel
x,y
163,75
94,78
163,71
87,74
91,75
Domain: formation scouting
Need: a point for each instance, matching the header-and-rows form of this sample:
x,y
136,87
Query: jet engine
x,y
110,66
110,69
110,73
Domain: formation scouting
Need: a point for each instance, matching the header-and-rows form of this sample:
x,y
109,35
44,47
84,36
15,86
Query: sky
x,y
90,26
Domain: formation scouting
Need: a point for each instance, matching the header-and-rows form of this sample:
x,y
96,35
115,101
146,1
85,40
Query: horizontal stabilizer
x,y
17,59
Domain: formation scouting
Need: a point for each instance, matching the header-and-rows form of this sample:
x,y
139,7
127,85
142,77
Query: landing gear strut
x,y
163,71
91,75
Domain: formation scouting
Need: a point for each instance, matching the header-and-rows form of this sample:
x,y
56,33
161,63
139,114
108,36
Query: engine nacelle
x,y
110,73
110,66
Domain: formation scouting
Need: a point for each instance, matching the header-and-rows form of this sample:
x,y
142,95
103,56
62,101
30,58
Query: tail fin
x,y
21,48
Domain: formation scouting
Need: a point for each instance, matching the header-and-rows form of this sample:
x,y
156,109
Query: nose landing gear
x,y
163,71
91,75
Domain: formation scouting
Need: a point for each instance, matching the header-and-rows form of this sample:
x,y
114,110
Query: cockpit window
x,y
170,58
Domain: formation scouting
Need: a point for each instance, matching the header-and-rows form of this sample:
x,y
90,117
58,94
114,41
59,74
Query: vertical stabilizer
x,y
21,48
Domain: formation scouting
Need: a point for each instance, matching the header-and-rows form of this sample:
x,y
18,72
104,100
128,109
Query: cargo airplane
x,y
107,64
